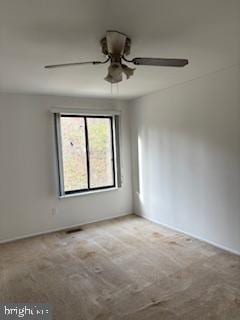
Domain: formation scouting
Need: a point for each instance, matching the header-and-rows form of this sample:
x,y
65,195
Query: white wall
x,y
187,166
188,139
27,169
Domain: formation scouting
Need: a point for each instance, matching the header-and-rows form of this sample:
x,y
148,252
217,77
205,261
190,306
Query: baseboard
x,y
191,235
30,235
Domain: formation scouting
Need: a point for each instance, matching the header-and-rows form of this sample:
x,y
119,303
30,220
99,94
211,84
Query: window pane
x,y
74,153
100,152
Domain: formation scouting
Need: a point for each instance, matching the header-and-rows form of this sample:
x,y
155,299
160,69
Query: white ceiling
x,y
34,33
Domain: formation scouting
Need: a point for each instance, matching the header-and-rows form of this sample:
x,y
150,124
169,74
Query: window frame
x,y
115,146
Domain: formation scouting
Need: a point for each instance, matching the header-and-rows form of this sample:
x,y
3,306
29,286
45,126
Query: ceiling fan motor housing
x,y
115,44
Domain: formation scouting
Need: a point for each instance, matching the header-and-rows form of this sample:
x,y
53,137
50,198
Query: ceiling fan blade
x,y
161,62
72,64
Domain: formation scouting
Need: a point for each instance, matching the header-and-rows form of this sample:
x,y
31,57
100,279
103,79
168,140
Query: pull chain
x,y
112,88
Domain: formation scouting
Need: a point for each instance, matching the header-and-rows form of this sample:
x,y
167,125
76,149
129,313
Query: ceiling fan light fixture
x,y
112,80
128,71
114,73
109,78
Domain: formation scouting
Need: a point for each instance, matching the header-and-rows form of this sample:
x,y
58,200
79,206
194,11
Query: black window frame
x,y
114,146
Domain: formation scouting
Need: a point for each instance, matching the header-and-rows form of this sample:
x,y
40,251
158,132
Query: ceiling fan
x,y
116,46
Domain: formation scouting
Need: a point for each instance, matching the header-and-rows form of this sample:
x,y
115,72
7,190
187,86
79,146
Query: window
x,y
87,146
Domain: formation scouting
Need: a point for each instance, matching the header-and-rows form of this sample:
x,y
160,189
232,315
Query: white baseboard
x,y
30,235
191,235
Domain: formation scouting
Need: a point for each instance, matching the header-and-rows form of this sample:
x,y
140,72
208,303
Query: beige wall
x,y
187,163
27,169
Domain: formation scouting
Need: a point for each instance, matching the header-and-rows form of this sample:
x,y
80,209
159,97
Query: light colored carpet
x,y
126,268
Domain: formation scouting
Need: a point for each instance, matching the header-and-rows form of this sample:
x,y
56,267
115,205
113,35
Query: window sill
x,y
81,194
